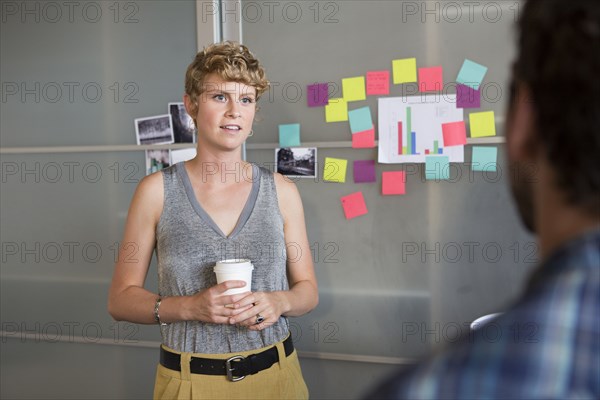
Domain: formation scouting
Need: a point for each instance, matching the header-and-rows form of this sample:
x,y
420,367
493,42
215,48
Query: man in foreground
x,y
553,147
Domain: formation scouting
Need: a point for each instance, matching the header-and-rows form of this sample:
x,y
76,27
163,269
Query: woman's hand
x,y
210,305
270,306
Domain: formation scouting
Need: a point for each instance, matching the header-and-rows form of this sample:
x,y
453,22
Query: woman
x,y
216,207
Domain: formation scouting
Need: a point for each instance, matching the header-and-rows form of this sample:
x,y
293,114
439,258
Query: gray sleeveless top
x,y
189,244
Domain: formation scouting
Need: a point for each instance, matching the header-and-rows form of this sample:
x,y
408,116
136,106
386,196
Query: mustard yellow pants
x,y
282,381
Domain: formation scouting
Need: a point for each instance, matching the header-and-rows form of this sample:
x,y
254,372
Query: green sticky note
x,y
335,170
354,88
404,70
484,158
482,124
336,110
360,119
437,168
471,74
289,135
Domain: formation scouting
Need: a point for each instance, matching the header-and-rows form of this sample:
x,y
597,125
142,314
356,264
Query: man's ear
x,y
521,133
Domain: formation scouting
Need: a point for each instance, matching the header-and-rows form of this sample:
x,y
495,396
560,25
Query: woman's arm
x,y
303,295
128,300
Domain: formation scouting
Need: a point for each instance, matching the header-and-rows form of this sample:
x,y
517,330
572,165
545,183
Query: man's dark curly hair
x,y
559,62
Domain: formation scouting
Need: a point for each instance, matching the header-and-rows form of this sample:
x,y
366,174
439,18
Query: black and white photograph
x,y
184,129
297,161
154,130
157,160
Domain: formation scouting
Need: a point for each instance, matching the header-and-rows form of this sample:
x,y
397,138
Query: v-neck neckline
x,y
246,211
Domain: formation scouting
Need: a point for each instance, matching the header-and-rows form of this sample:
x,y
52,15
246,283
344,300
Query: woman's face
x,y
225,112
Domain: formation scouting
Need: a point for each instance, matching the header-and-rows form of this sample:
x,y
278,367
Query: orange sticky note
x,y
393,183
354,205
455,133
378,83
431,79
364,139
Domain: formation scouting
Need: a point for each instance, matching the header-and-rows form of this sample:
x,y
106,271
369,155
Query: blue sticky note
x,y
289,135
471,74
484,159
437,168
360,119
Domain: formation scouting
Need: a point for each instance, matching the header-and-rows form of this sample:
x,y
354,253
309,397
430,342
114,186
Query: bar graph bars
x,y
400,149
409,136
409,146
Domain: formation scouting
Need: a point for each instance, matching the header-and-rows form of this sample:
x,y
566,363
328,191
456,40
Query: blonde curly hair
x,y
231,61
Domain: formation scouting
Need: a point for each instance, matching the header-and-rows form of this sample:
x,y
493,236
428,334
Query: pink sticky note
x,y
354,205
393,183
455,133
378,82
431,79
364,139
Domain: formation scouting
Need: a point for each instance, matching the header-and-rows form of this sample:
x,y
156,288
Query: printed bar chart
x,y
411,128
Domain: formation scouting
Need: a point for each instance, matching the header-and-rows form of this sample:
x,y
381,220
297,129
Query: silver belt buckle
x,y
229,370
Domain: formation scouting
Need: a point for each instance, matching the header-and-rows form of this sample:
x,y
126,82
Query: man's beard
x,y
521,178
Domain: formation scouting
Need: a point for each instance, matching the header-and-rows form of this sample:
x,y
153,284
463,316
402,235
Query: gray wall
x,y
380,304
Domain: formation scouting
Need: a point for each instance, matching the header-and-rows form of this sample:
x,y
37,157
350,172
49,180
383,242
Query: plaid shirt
x,y
547,346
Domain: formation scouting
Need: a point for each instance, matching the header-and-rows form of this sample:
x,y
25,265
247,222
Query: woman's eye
x,y
219,97
247,100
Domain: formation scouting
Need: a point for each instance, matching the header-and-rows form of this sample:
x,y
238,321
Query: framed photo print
x,y
297,162
184,130
154,130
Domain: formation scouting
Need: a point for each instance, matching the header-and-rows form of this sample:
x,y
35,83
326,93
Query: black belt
x,y
235,368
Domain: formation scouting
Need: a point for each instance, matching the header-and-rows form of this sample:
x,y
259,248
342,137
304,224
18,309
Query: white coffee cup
x,y
235,270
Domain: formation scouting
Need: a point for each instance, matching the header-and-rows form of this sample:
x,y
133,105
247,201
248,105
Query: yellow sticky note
x,y
482,124
405,70
354,88
336,110
335,170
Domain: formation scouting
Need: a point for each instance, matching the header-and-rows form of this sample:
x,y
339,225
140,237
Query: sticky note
x,y
482,124
336,110
393,183
454,133
317,95
431,79
354,88
289,135
335,170
360,119
404,70
484,158
378,83
437,168
467,97
354,205
364,140
364,171
471,74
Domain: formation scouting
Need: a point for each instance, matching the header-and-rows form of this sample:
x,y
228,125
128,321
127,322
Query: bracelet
x,y
156,316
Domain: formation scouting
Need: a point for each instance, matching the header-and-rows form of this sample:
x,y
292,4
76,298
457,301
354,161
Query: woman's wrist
x,y
284,301
173,309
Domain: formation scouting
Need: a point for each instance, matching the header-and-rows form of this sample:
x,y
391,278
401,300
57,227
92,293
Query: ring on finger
x,y
259,319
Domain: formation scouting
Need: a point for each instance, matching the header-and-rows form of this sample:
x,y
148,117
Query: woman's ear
x,y
191,106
